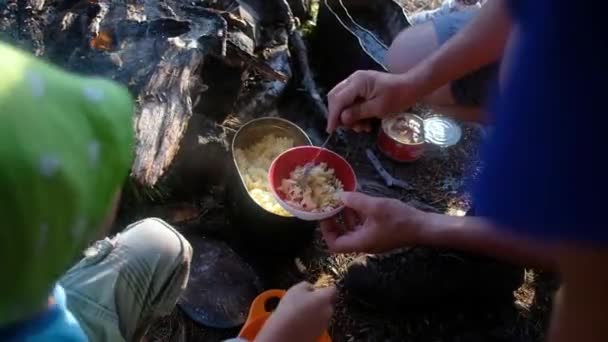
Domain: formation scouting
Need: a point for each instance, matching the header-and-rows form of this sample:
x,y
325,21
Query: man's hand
x,y
369,94
376,225
373,225
302,315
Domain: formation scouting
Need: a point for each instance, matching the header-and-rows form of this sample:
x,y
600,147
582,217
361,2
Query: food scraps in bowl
x,y
316,192
406,129
302,156
255,162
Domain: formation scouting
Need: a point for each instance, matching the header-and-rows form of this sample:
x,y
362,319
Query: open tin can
x,y
258,228
406,137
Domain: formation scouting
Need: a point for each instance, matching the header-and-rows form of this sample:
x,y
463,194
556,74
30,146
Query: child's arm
x,y
302,315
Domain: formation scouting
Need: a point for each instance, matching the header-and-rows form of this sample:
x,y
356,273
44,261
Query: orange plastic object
x,y
258,316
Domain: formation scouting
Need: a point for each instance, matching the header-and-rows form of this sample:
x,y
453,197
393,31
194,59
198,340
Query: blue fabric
x,y
545,173
56,324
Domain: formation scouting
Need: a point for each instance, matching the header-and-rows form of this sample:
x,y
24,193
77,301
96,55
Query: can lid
x,y
442,131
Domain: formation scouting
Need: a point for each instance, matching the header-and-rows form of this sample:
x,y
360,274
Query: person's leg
x,y
123,283
462,98
411,47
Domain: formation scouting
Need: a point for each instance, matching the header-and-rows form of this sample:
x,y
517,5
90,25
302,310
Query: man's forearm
x,y
480,236
580,306
479,43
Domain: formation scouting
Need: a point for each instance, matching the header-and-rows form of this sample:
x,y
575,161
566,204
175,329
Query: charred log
x,y
158,49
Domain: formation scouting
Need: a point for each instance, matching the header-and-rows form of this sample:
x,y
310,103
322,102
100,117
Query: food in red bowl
x,y
315,198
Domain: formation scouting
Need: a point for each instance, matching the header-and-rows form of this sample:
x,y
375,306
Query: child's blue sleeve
x,y
56,324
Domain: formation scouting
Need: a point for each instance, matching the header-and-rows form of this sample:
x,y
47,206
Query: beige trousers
x,y
125,282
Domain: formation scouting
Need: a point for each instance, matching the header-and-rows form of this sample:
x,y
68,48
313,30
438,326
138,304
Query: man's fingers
x,y
354,241
343,96
332,119
363,126
341,241
339,86
367,126
351,218
331,225
330,229
361,111
365,205
336,103
352,115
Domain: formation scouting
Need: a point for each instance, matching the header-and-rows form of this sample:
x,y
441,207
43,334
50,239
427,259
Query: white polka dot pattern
x,y
49,165
37,84
94,153
93,94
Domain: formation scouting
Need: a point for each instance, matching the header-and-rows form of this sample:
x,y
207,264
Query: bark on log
x,y
157,48
301,9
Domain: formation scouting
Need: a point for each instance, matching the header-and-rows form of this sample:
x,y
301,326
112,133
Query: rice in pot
x,y
254,163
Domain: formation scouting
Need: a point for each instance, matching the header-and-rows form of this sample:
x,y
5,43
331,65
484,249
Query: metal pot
x,y
406,137
257,228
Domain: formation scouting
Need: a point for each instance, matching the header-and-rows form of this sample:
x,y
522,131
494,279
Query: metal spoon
x,y
308,166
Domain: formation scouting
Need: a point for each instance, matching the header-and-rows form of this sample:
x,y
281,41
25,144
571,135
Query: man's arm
x,y
580,306
481,236
368,94
479,43
376,225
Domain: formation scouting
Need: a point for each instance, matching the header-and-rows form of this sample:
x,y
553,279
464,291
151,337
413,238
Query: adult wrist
x,y
433,229
413,226
418,82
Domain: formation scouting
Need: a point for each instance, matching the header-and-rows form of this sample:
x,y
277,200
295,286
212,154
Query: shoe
x,y
424,278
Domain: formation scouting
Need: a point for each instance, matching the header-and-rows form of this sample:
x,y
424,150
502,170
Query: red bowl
x,y
287,161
